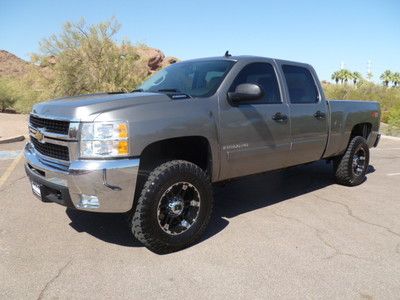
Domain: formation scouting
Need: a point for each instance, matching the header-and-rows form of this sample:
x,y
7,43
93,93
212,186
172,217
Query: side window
x,y
300,84
264,75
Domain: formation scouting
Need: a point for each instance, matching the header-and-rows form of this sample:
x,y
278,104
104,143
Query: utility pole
x,y
369,72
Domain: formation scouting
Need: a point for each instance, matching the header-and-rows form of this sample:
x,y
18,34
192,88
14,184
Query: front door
x,y
255,136
308,113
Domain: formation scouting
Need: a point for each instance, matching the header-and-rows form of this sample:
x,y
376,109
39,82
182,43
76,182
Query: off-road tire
x,y
343,165
144,223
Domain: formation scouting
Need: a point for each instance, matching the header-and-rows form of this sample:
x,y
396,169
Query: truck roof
x,y
246,58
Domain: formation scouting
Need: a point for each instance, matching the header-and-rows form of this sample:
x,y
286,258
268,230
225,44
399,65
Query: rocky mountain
x,y
11,65
155,58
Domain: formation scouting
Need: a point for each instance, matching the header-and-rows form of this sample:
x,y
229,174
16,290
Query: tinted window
x,y
196,78
262,74
301,84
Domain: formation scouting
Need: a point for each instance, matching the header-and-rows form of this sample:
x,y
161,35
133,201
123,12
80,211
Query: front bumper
x,y
112,182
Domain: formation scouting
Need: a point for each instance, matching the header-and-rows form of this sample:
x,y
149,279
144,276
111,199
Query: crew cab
x,y
155,152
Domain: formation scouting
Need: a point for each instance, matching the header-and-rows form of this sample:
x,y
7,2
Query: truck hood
x,y
88,107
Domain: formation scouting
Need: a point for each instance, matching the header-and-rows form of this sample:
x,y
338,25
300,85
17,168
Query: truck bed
x,y
344,114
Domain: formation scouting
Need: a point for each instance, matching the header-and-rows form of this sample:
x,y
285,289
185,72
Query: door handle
x,y
279,117
319,115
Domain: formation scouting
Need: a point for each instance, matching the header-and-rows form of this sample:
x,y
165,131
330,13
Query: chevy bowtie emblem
x,y
39,135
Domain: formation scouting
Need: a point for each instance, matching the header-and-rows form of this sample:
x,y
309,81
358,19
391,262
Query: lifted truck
x,y
155,152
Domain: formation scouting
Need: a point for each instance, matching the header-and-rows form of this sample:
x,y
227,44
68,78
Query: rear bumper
x,y
112,182
373,139
378,138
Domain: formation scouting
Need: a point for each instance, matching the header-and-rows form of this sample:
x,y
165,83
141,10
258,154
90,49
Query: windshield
x,y
196,79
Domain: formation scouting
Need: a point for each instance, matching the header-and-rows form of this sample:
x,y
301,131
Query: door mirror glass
x,y
245,92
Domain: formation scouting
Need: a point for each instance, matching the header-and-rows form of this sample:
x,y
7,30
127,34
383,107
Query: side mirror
x,y
245,92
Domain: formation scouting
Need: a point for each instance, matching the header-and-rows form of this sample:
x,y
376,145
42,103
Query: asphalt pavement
x,y
286,234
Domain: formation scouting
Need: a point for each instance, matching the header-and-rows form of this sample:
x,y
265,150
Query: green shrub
x,y
389,98
394,117
7,95
86,59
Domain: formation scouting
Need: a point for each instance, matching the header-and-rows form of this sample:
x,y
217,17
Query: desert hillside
x,y
13,66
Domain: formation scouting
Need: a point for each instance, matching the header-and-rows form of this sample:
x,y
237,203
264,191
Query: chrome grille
x,y
51,150
55,126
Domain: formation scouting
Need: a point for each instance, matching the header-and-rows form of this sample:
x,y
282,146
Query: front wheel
x,y
351,168
174,207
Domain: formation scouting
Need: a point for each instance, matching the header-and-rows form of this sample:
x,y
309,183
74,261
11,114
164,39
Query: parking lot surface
x,y
290,234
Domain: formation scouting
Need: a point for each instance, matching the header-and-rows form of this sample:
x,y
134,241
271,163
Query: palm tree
x,y
335,76
396,78
345,75
356,77
386,77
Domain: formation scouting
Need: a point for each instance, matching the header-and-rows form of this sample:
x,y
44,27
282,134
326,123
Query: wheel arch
x,y
195,149
361,129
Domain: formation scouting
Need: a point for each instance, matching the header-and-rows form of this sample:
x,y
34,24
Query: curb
x,y
12,139
390,137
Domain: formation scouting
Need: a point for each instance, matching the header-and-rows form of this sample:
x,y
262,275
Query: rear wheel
x,y
174,207
351,168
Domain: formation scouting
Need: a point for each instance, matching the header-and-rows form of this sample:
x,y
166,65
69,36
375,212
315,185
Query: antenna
x,y
227,54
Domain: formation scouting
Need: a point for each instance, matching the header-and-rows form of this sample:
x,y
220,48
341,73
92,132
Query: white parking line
x,y
393,138
393,174
386,148
10,169
5,155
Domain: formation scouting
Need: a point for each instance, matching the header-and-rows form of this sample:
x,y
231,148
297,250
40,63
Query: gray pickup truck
x,y
154,153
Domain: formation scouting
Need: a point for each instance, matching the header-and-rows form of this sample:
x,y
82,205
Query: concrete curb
x,y
12,139
391,137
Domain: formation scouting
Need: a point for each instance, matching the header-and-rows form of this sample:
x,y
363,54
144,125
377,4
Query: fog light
x,y
88,201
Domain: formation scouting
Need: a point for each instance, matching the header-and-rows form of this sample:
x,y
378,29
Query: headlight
x,y
104,139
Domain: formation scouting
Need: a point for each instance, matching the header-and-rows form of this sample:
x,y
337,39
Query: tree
x,y
396,78
345,75
86,59
335,76
386,77
356,77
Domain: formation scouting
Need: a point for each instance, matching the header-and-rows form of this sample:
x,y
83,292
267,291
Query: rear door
x,y
308,113
254,136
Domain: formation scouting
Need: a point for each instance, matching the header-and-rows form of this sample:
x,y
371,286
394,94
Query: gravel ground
x,y
12,125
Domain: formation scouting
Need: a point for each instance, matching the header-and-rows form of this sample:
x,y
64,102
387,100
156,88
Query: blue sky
x,y
322,33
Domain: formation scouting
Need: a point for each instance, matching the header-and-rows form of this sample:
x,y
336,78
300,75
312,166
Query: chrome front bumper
x,y
111,181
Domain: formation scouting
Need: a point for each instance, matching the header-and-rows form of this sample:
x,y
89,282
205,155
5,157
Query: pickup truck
x,y
155,152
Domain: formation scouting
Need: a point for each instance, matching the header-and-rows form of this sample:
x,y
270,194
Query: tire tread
x,y
139,222
343,174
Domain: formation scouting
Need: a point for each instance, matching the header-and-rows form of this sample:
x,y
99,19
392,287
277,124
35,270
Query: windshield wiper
x,y
117,92
177,94
169,90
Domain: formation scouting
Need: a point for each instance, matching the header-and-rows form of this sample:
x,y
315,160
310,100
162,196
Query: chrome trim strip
x,y
73,131
49,140
53,135
93,165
